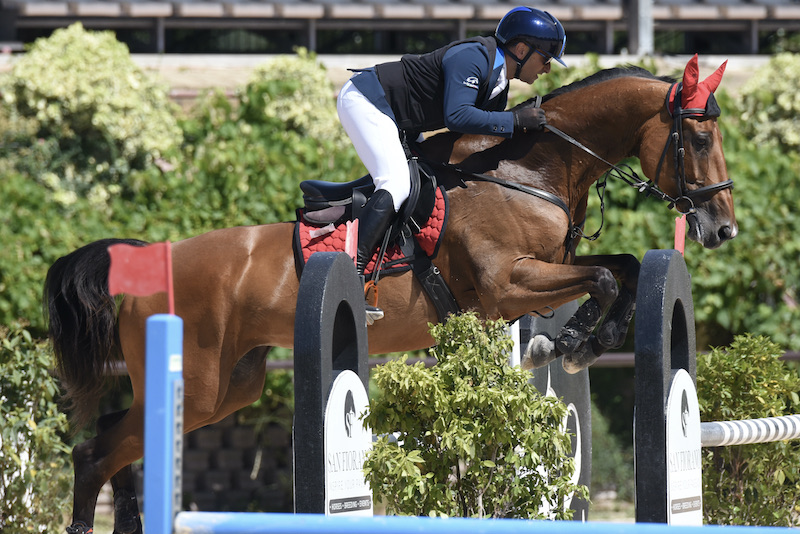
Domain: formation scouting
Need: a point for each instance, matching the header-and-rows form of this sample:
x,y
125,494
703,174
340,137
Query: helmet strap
x,y
521,62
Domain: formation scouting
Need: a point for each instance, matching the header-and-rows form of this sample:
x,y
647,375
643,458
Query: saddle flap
x,y
319,192
326,216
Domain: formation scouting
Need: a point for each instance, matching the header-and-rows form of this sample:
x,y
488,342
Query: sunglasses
x,y
547,59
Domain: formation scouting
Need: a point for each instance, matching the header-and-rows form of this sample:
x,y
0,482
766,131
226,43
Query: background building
x,y
398,26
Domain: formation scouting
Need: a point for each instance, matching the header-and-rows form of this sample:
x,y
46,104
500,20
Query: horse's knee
x,y
607,289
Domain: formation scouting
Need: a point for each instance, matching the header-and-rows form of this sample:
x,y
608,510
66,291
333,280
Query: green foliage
x,y
241,164
756,484
782,41
248,156
97,116
770,103
612,460
474,438
34,470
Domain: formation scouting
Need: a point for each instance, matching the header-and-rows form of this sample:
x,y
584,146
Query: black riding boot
x,y
376,215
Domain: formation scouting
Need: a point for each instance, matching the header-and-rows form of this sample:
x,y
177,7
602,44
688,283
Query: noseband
x,y
688,198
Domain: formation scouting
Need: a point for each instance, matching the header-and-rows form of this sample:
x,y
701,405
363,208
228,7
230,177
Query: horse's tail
x,y
81,315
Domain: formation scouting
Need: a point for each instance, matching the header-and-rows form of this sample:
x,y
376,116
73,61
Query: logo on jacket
x,y
471,82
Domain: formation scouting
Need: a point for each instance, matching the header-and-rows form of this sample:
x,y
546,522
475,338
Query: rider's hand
x,y
528,119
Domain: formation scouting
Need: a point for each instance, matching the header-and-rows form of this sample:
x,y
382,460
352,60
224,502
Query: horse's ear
x,y
712,82
694,94
690,76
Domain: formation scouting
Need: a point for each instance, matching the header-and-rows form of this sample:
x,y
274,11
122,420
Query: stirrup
x,y
373,314
372,310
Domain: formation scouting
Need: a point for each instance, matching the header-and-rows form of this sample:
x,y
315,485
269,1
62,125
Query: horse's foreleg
x,y
625,268
613,330
537,284
126,506
575,333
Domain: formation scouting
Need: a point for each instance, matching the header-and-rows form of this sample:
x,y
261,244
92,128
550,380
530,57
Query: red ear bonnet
x,y
697,97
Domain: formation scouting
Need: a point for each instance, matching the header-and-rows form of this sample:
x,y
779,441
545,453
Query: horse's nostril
x,y
727,232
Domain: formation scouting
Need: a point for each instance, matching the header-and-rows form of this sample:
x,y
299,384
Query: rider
x,y
462,86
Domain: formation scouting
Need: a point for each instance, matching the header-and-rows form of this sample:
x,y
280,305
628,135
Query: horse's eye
x,y
701,141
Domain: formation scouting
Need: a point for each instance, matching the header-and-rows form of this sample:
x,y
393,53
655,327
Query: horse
x,y
509,249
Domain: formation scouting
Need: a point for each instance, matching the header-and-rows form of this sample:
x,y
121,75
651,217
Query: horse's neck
x,y
608,118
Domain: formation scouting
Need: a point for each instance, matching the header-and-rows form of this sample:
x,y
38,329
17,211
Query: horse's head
x,y
682,153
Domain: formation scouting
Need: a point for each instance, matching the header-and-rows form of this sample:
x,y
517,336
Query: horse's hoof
x,y
578,361
79,527
607,336
539,352
130,526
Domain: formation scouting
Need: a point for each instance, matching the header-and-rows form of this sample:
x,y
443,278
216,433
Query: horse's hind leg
x,y
99,459
126,506
243,388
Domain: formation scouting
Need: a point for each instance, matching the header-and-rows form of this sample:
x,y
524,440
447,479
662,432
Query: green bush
x,y
96,114
771,104
474,438
612,460
242,164
247,157
35,477
756,484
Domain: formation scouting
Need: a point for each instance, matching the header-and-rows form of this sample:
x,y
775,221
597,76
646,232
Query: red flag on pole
x,y
680,233
141,271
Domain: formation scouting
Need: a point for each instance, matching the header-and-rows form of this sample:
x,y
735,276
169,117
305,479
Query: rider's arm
x,y
465,67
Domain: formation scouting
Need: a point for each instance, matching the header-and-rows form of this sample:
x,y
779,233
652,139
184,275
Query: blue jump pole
x,y
163,427
241,523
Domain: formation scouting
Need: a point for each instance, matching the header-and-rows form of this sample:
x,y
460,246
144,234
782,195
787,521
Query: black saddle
x,y
332,203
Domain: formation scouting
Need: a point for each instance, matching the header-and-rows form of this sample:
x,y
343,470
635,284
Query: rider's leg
x,y
377,213
377,142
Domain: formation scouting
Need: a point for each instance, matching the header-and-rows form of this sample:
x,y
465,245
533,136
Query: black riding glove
x,y
528,119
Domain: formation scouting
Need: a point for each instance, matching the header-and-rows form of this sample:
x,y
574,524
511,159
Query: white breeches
x,y
377,142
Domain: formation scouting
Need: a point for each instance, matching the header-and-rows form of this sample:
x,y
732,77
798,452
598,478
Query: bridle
x,y
688,198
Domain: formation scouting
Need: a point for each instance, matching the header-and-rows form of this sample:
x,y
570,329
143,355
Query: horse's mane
x,y
604,75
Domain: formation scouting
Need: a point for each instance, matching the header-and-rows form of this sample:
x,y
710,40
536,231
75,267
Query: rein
x,y
684,203
574,230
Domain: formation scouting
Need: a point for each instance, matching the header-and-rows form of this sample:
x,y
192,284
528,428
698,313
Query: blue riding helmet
x,y
538,28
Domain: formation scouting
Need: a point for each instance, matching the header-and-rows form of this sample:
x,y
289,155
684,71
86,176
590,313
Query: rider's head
x,y
540,30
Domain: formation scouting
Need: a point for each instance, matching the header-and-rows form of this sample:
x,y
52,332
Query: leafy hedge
x,y
240,163
473,437
35,476
756,484
95,114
